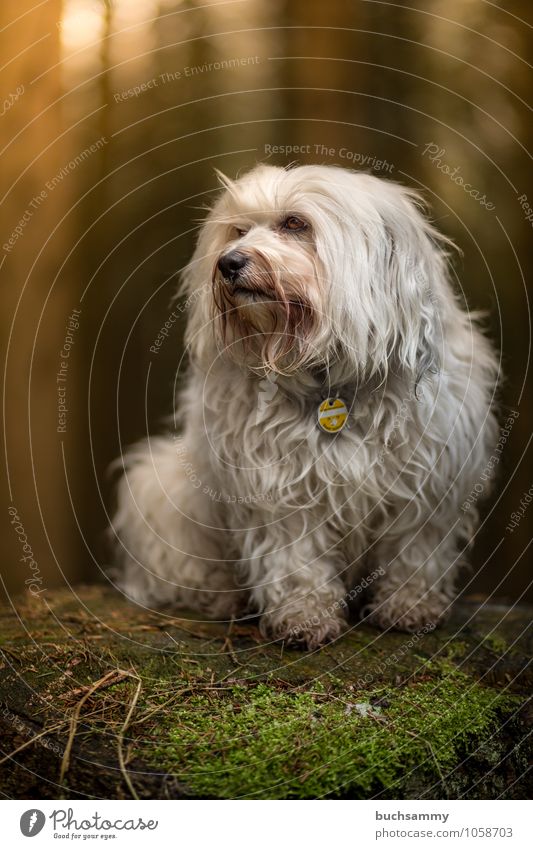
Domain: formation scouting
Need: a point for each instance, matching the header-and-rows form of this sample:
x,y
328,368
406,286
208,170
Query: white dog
x,y
335,417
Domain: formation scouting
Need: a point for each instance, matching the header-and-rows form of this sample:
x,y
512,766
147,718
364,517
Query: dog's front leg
x,y
418,585
295,587
171,536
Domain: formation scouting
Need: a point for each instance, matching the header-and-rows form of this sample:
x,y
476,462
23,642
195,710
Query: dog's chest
x,y
276,457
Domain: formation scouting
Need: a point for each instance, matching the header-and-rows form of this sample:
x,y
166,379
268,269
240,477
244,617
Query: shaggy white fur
x,y
310,283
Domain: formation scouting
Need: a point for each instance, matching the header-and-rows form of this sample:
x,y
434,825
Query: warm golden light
x,y
81,24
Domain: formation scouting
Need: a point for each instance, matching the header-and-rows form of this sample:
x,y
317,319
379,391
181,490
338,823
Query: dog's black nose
x,y
231,263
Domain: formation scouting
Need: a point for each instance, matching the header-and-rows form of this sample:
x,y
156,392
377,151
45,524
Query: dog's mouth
x,y
263,318
240,290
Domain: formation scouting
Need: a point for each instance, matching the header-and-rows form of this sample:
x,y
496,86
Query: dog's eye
x,y
240,231
294,223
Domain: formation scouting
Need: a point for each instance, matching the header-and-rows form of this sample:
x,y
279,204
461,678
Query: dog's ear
x,y
428,351
417,287
416,271
197,287
390,293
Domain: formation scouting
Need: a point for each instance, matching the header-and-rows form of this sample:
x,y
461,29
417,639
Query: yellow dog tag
x,y
332,415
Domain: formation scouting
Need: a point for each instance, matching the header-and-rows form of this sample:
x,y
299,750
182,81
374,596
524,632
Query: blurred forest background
x,y
114,116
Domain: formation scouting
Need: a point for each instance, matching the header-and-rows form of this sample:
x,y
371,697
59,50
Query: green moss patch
x,y
197,709
266,742
495,642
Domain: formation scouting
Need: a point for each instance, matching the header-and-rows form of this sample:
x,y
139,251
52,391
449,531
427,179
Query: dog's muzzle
x,y
231,265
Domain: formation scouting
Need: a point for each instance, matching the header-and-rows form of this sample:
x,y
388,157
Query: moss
x,y
223,715
266,742
456,649
495,642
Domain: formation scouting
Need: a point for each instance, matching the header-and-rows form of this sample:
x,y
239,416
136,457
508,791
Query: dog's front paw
x,y
225,605
404,611
302,629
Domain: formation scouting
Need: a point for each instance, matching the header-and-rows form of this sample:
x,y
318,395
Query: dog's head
x,y
318,267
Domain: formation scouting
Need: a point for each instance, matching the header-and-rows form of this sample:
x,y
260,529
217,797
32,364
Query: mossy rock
x,y
165,707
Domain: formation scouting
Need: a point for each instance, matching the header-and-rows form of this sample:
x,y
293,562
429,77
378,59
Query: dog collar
x,y
332,415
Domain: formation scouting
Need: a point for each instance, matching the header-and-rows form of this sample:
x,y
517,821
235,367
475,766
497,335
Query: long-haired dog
x,y
335,417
